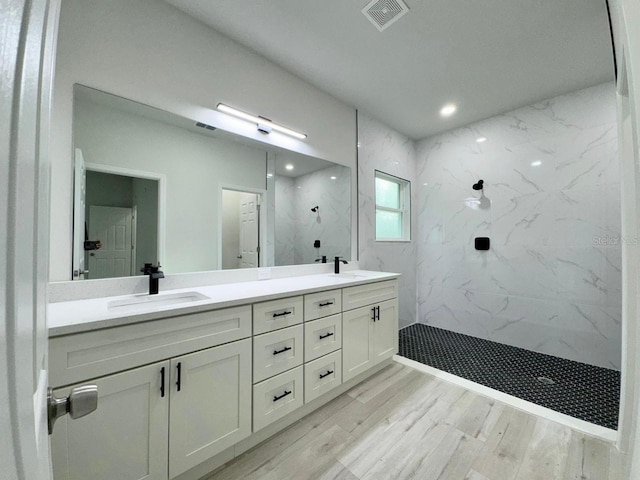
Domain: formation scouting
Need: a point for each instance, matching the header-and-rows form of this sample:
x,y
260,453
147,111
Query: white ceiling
x,y
487,56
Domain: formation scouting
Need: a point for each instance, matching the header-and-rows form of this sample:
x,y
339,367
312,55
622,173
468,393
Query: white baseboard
x,y
580,425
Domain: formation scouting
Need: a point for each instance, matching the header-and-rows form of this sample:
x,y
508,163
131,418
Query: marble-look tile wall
x,y
382,148
297,227
551,281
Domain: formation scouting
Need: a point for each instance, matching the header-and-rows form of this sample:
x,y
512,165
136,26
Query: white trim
x,y
161,178
262,195
580,425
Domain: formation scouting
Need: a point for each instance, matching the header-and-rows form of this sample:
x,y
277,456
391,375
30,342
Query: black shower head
x,y
478,186
315,209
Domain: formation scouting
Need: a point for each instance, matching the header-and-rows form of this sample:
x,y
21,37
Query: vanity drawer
x,y
322,304
322,375
370,293
276,314
322,336
79,357
276,397
276,352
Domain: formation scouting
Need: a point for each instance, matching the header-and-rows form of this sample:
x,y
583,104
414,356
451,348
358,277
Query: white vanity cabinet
x,y
203,399
180,392
210,404
125,438
369,333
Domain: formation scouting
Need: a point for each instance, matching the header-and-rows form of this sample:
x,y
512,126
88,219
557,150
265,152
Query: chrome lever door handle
x,y
80,402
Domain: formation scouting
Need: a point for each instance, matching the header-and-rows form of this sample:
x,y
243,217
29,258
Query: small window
x,y
393,208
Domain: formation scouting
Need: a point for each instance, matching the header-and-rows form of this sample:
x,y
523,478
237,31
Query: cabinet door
x,y
357,342
210,403
125,438
385,331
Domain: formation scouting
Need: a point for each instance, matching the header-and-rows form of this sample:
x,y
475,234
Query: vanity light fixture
x,y
536,163
288,166
481,139
448,110
264,124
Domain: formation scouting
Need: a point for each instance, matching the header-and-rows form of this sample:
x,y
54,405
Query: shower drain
x,y
546,381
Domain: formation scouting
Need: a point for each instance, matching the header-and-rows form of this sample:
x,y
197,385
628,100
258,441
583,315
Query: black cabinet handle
x,y
330,334
326,304
373,314
278,397
285,349
275,315
162,382
329,372
178,382
378,309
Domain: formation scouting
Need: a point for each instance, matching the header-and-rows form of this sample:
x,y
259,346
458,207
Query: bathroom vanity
x,y
189,379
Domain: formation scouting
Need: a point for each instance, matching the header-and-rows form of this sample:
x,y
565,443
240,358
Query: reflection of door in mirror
x,y
79,199
240,229
121,224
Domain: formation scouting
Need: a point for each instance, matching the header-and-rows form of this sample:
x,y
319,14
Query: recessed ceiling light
x,y
333,178
425,184
288,166
481,139
537,163
448,110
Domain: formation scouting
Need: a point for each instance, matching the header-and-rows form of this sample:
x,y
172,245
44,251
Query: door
x,y
385,331
357,342
125,438
249,227
210,403
28,33
79,196
112,226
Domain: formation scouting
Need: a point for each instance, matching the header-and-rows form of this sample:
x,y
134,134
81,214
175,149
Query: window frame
x,y
404,210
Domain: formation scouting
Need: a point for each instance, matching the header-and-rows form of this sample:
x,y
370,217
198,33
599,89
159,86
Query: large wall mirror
x,y
153,187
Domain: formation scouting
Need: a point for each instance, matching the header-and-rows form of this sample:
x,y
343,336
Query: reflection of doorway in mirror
x,y
240,229
122,214
113,226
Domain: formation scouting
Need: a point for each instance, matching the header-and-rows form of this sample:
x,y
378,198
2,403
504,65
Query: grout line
x,y
576,424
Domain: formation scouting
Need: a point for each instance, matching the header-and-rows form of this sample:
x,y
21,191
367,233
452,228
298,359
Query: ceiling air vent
x,y
204,125
382,13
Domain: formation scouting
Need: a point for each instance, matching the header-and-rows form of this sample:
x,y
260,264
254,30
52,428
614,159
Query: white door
x,y
112,226
210,404
385,331
357,342
125,438
249,225
79,197
28,32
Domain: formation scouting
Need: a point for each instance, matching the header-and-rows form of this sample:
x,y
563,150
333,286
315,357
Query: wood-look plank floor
x,y
404,424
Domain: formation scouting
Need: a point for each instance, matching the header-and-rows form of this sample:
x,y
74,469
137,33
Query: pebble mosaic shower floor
x,y
582,391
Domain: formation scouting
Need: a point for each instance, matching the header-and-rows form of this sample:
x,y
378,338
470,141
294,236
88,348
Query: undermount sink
x,y
149,302
347,275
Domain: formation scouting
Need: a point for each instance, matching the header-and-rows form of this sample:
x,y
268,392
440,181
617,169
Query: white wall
x,y
150,52
382,148
194,165
551,281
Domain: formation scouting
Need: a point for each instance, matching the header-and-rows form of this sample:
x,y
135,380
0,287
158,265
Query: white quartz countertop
x,y
66,318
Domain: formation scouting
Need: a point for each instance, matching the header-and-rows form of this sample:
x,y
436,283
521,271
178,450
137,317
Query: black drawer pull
x,y
285,349
282,314
162,382
278,397
326,304
329,372
330,334
179,381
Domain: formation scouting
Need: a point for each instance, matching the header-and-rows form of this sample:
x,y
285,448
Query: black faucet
x,y
155,274
323,259
336,264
